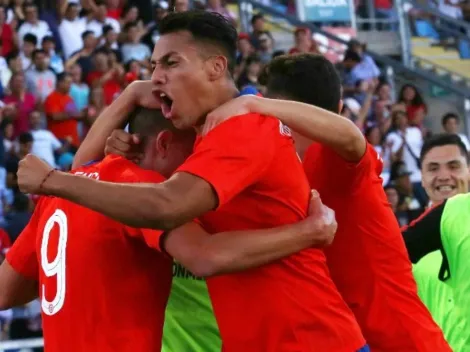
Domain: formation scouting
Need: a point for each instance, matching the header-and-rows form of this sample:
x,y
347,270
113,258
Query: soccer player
x,y
368,260
244,174
445,170
86,303
446,228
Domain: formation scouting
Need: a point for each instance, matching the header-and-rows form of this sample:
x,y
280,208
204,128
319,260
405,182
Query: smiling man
x,y
244,174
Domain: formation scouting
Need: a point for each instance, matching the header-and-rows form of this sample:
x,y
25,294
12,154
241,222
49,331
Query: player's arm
x,y
206,255
138,93
312,122
224,164
423,235
15,289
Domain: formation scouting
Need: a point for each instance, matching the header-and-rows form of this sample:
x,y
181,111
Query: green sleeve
x,y
455,232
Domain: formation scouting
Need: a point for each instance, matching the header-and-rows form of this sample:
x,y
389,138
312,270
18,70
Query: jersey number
x,y
55,267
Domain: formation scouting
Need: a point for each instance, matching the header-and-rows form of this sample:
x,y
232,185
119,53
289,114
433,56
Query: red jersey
x,y
101,286
368,260
292,304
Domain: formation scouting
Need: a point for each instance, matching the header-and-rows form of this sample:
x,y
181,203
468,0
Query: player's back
x,y
102,288
291,304
368,260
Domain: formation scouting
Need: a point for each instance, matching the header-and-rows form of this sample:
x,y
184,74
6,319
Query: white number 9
x,y
57,266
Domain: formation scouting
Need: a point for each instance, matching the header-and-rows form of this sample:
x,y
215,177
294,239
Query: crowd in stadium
x,y
63,63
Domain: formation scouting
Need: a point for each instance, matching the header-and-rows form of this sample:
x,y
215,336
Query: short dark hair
x,y
62,76
441,140
129,26
29,4
205,27
256,17
307,78
352,55
30,38
48,38
25,137
106,29
148,123
449,116
12,56
86,34
37,52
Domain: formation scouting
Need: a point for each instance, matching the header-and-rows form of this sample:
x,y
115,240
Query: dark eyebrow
x,y
164,58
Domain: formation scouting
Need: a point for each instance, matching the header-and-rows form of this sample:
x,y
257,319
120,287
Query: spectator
x,y
19,217
375,138
406,142
394,199
24,103
8,38
153,34
219,7
45,144
14,65
79,90
250,74
10,145
95,107
30,42
415,106
84,56
114,9
101,19
110,78
62,113
33,24
304,42
348,76
257,23
40,80
133,49
179,5
130,14
25,142
383,101
71,29
56,63
409,207
367,67
266,48
15,12
451,124
110,38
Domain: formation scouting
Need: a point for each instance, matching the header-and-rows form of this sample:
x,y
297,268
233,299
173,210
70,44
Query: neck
x,y
223,93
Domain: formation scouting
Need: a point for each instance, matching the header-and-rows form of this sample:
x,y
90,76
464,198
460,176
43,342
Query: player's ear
x,y
163,142
217,66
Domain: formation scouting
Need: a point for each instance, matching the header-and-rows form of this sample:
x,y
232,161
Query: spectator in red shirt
x,y
25,103
415,106
114,8
110,78
62,113
8,37
304,42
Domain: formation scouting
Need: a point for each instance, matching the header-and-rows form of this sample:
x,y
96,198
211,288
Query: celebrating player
x,y
244,174
101,288
368,260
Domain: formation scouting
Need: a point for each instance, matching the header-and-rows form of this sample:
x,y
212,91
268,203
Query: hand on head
x,y
125,144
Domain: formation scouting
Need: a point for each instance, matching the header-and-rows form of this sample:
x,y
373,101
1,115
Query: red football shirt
x,y
102,288
290,305
368,260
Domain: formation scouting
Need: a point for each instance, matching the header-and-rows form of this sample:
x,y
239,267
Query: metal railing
x,y
10,345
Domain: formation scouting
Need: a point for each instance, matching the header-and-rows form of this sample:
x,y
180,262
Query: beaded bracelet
x,y
46,177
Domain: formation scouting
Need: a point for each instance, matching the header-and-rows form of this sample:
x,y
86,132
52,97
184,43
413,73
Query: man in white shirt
x,y
71,29
30,42
33,24
44,141
101,19
451,124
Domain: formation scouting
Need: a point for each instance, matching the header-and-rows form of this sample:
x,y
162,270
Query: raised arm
x,y
207,255
310,121
138,93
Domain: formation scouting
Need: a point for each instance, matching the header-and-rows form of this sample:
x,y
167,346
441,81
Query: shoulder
x,y
118,169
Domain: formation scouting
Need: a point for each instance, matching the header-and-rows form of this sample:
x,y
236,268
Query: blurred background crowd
x,y
63,61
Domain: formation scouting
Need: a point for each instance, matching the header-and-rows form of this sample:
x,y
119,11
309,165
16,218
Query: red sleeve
x,y
22,255
235,154
151,237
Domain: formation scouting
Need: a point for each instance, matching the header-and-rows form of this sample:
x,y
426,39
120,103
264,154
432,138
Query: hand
x,y
32,172
322,222
125,144
143,94
234,107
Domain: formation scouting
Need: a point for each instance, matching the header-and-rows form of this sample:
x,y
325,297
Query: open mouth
x,y
166,103
445,188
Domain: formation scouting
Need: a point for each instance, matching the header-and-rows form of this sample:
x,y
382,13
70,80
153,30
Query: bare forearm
x,y
110,119
59,116
317,124
208,255
138,205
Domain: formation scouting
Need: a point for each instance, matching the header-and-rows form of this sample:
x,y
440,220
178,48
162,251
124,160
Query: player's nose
x,y
159,76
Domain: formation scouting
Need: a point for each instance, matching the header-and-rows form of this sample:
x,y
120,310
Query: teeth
x,y
444,188
162,95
